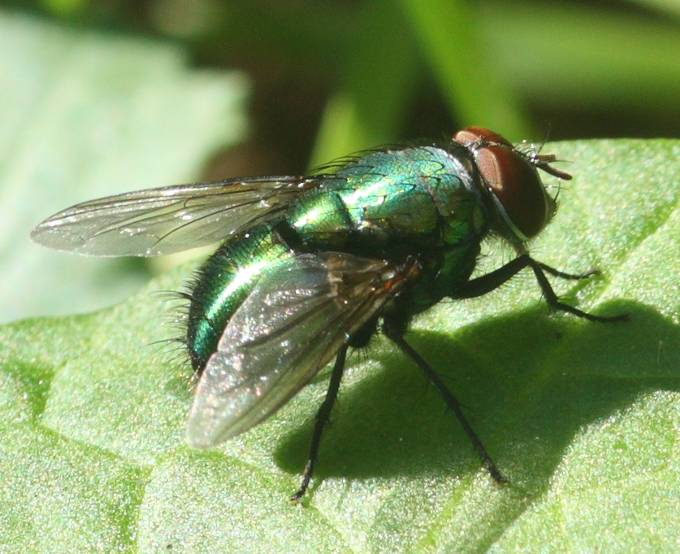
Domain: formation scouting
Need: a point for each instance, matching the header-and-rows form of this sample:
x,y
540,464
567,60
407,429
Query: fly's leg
x,y
451,402
563,275
321,420
490,281
554,302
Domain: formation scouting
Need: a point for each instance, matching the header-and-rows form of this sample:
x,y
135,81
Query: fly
x,y
310,266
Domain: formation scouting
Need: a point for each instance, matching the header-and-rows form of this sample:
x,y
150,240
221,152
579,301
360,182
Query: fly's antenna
x,y
532,152
543,161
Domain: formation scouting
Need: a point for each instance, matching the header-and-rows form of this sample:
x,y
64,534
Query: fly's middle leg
x,y
451,401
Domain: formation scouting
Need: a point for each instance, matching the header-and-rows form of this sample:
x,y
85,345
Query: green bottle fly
x,y
311,266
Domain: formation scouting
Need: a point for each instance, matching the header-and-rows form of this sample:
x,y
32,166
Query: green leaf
x,y
86,114
582,417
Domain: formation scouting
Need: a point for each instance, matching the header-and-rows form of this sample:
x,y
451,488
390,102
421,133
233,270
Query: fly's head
x,y
520,204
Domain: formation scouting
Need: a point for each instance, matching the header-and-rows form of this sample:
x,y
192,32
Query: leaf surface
x,y
582,417
87,114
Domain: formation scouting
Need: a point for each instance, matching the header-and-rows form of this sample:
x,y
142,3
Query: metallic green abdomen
x,y
223,283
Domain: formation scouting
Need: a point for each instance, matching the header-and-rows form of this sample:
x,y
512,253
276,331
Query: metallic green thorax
x,y
417,201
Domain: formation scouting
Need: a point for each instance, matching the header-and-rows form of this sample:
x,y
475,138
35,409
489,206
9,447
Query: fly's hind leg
x,y
320,422
396,336
359,339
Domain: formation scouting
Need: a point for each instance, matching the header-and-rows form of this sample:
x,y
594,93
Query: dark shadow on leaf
x,y
529,382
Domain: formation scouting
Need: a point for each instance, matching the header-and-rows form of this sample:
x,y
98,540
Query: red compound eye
x,y
515,183
474,134
521,200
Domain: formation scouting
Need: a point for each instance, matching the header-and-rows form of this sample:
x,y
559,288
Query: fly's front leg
x,y
563,275
321,419
491,281
554,302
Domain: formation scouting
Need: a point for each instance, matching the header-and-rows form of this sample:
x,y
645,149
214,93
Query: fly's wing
x,y
168,219
292,323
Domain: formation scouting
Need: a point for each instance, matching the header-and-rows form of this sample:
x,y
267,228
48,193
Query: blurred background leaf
x,y
333,75
88,114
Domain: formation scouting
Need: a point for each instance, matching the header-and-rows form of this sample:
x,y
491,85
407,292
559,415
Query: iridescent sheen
x,y
414,201
224,282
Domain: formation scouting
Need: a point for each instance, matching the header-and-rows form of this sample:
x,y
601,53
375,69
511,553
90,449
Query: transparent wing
x,y
168,219
293,322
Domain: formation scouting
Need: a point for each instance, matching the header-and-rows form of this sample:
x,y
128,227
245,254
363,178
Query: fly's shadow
x,y
528,383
